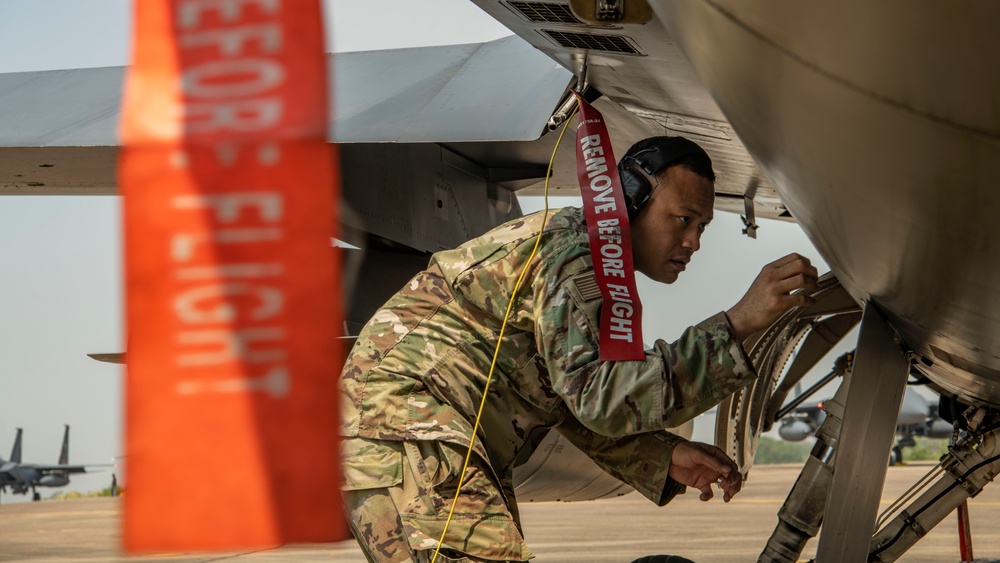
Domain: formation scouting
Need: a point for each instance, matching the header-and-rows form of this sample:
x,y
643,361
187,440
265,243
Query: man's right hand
x,y
770,294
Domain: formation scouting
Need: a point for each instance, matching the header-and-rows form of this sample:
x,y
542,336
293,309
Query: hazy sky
x,y
60,276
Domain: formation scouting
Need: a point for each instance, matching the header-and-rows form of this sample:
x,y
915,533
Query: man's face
x,y
668,229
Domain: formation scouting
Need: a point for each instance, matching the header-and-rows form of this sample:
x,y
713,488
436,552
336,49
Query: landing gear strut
x,y
841,483
969,465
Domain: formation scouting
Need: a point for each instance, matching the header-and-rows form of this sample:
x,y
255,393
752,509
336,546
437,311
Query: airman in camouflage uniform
x,y
413,382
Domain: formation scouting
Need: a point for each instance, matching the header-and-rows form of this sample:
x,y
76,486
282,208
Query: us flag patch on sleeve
x,y
587,286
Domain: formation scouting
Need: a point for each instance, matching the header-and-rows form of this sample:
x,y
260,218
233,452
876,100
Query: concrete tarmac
x,y
613,530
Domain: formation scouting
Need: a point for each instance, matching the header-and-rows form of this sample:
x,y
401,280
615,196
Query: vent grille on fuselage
x,y
545,12
593,42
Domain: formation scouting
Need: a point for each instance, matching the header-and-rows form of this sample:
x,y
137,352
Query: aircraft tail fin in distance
x,y
15,452
64,453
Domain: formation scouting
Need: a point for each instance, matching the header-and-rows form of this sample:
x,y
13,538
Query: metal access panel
x,y
422,195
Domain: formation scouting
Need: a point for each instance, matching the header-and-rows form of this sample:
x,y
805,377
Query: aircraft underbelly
x,y
877,125
558,471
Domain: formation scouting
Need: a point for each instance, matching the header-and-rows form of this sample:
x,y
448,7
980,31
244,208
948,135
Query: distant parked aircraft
x,y
917,417
23,476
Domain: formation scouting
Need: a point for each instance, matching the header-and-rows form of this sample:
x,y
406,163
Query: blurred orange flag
x,y
232,285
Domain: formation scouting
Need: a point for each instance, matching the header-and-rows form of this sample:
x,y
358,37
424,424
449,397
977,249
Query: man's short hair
x,y
692,156
650,157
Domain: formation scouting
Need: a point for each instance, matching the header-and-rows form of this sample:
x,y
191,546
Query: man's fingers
x,y
727,466
800,300
706,493
798,281
718,460
731,486
730,480
795,267
784,260
735,483
718,465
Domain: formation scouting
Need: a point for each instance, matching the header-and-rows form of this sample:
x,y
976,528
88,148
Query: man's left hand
x,y
700,465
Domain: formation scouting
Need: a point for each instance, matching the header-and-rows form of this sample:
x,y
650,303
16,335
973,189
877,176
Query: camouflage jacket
x,y
419,367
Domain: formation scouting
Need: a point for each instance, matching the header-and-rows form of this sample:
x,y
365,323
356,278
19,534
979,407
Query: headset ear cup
x,y
635,188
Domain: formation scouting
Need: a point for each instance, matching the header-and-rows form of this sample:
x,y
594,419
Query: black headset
x,y
638,171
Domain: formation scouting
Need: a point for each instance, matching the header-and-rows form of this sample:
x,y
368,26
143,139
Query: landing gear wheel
x,y
780,363
36,497
895,456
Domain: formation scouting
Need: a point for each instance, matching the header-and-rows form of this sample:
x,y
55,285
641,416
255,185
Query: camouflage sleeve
x,y
674,383
642,460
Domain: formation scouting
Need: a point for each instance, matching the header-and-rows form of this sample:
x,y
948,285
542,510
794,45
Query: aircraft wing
x,y
58,129
47,469
503,90
485,101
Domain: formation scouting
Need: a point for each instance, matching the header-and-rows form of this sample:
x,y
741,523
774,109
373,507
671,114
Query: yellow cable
x,y
496,351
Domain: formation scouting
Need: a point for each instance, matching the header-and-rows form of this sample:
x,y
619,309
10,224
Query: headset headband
x,y
638,171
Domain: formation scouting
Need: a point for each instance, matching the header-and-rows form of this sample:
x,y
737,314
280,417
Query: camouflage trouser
x,y
398,494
